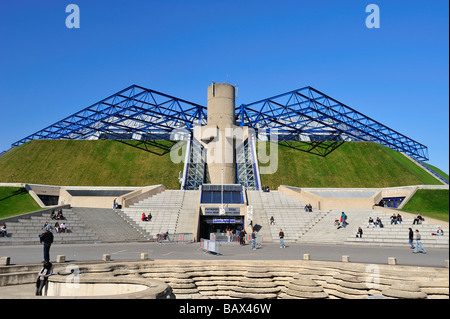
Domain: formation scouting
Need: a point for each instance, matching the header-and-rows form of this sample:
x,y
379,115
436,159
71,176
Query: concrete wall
x,y
354,198
140,194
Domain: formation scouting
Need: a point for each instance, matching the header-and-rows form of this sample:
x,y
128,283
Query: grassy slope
x,y
111,163
437,170
88,163
16,200
353,164
432,203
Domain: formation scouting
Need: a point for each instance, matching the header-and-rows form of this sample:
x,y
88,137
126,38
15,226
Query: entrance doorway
x,y
219,224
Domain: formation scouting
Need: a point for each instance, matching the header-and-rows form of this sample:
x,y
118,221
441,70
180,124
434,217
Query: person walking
x,y
242,237
47,238
281,235
42,279
344,220
419,243
254,240
411,238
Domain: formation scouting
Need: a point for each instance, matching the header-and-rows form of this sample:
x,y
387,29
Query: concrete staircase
x,y
165,208
188,217
108,225
260,219
324,232
397,235
26,231
289,215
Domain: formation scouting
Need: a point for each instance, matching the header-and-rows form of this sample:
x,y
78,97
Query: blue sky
x,y
397,74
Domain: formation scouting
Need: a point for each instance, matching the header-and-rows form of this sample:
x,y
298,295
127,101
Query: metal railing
x,y
175,238
211,246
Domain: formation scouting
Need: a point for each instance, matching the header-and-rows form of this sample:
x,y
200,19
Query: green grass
x,y
415,169
15,201
437,170
353,164
111,163
433,203
89,163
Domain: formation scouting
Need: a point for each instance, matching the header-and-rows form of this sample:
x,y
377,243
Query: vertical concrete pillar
x,y
5,261
221,122
392,261
61,259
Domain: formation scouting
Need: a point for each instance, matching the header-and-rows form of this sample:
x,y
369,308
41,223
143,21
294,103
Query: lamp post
x,y
222,209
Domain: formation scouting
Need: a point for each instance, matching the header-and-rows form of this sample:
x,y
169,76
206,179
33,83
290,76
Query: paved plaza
x,y
33,254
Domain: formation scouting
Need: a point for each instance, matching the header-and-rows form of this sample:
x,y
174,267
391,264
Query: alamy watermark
x,y
373,277
373,19
73,280
221,147
73,19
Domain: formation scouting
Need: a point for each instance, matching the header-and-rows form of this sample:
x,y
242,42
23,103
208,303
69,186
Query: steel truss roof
x,y
137,111
134,110
309,111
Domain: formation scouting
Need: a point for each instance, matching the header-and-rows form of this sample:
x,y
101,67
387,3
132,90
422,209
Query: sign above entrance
x,y
228,211
224,221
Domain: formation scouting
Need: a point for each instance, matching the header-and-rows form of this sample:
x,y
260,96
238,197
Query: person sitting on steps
x,y
418,220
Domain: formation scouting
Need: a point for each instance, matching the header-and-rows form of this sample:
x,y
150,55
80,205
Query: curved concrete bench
x,y
105,288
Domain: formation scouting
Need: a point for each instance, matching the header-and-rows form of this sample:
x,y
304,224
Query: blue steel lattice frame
x,y
132,110
309,111
137,110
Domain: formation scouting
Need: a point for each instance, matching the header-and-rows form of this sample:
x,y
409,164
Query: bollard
x,y
5,261
345,259
144,256
60,259
106,257
392,261
306,257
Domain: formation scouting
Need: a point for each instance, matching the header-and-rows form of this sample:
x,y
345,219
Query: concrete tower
x,y
220,135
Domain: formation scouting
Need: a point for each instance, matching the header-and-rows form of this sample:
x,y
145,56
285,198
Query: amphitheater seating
x,y
165,208
174,211
397,235
26,231
289,215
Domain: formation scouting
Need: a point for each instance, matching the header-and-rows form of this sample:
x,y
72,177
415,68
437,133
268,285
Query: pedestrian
x,y
42,279
394,219
281,235
419,243
439,232
344,220
242,237
254,240
411,238
47,238
418,220
3,232
359,233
